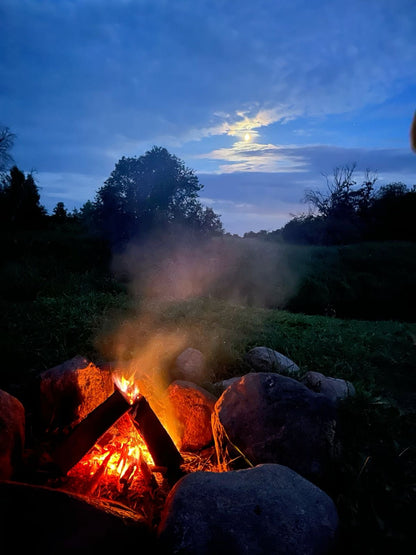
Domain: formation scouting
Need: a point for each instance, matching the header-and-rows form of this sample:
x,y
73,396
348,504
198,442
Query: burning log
x,y
160,445
158,441
99,474
89,430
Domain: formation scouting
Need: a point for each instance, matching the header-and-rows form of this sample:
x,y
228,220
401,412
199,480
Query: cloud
x,y
153,70
247,155
74,189
250,124
255,157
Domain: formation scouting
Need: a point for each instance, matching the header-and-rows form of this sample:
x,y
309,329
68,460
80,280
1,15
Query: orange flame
x,y
115,461
127,386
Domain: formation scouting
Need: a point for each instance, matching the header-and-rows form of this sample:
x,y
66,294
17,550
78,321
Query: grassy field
x,y
58,299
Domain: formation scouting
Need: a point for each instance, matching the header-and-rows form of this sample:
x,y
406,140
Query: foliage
x,y
60,213
20,200
345,213
372,280
364,281
393,213
54,287
342,200
150,192
6,143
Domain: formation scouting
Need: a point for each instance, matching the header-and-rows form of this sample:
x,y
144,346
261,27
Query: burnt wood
x,y
160,444
86,434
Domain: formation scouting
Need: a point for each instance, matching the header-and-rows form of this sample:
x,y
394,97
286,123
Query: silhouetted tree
x,y
305,229
341,197
148,192
202,220
348,214
343,207
60,213
6,143
20,200
393,212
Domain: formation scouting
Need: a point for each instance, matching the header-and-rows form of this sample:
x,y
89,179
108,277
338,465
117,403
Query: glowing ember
x,y
118,463
127,386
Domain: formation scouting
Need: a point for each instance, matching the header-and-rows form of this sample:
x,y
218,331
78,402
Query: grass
x,y
366,281
58,299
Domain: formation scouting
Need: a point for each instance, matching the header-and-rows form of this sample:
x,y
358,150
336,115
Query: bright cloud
x,y
244,156
251,124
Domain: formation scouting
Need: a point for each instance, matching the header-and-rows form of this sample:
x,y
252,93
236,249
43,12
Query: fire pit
x,y
119,451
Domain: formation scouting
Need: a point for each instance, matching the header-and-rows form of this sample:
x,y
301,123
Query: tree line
x,y
346,212
157,191
143,194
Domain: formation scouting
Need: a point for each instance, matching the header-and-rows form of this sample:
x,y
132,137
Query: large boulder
x,y
70,391
192,406
269,418
12,434
264,359
37,519
262,510
335,389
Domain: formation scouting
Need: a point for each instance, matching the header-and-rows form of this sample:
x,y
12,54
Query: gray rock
x,y
259,511
335,389
264,359
192,406
269,418
219,387
190,366
37,519
12,434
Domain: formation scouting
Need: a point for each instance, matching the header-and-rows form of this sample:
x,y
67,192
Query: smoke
x,y
169,268
177,267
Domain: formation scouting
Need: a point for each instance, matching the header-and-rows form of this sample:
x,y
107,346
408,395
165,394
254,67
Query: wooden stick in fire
x,y
84,436
160,444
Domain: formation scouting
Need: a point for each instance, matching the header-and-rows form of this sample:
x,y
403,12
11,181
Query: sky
x,y
262,99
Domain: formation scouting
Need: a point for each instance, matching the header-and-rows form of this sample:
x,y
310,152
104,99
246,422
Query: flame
x,y
128,387
118,462
119,465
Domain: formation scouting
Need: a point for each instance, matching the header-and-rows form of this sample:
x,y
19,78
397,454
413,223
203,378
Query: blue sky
x,y
259,98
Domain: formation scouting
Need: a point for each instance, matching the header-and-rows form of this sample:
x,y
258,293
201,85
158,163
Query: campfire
x,y
121,451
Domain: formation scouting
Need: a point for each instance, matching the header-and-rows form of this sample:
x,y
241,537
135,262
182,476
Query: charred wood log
x,y
160,444
84,436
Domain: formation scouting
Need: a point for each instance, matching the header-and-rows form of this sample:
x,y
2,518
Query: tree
x,y
6,143
201,220
305,229
341,198
148,192
393,212
20,200
60,213
343,207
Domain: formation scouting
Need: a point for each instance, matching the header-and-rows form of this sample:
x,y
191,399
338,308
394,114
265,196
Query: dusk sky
x,y
260,97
